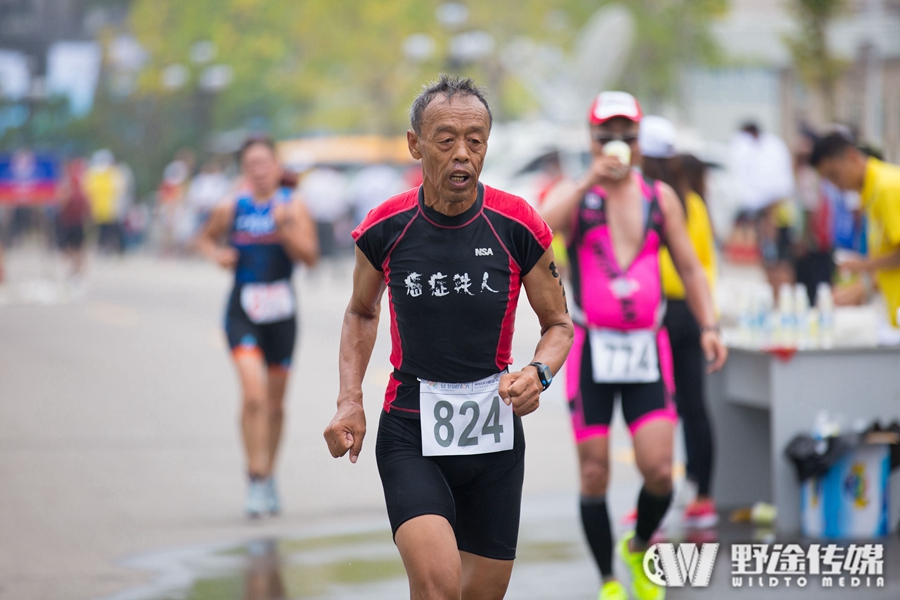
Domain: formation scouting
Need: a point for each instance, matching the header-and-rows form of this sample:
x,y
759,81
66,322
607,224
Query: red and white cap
x,y
608,105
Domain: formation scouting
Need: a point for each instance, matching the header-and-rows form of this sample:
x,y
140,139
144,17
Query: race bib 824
x,y
464,418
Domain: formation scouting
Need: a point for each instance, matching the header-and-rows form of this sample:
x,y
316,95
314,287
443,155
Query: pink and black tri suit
x,y
617,308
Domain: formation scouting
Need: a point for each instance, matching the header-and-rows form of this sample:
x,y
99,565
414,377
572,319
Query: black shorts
x,y
71,237
592,403
480,495
275,341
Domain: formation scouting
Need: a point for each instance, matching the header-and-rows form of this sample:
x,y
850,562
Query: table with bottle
x,y
788,363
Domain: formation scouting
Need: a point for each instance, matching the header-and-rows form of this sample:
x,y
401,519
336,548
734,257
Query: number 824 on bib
x,y
464,418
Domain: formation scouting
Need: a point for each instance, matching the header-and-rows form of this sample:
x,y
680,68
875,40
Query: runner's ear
x,y
412,140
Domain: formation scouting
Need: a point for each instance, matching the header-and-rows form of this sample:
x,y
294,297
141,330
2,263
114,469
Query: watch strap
x,y
542,371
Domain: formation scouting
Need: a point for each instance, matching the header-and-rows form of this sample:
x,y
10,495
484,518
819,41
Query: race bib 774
x,y
624,356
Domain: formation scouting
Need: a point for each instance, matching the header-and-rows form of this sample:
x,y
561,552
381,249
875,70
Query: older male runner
x,y
453,255
615,222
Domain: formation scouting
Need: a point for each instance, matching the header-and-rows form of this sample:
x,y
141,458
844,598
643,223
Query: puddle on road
x,y
362,565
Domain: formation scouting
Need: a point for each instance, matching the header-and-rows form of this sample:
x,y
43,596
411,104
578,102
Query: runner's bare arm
x,y
562,201
863,264
348,427
560,204
297,231
547,297
696,286
208,243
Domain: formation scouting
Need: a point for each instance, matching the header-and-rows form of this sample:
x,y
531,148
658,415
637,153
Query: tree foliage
x,y
669,36
308,66
813,59
340,65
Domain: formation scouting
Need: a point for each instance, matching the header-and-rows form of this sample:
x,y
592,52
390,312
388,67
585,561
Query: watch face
x,y
545,372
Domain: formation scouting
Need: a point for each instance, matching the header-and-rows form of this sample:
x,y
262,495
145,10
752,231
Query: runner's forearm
x,y
557,210
885,261
554,345
207,246
300,242
699,298
357,341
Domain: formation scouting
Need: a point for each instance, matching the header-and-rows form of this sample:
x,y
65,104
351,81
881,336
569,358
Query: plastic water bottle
x,y
814,320
764,317
825,304
802,335
746,320
784,320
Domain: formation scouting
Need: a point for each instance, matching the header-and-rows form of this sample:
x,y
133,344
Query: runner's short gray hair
x,y
448,86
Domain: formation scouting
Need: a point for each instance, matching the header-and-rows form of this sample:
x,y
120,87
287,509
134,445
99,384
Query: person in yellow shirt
x,y
685,173
103,184
878,184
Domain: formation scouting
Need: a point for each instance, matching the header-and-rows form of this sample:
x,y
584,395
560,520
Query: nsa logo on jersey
x,y
484,252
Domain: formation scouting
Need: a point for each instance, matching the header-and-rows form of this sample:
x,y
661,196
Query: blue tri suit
x,y
261,314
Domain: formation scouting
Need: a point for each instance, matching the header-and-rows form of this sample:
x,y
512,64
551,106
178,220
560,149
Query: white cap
x,y
657,137
608,105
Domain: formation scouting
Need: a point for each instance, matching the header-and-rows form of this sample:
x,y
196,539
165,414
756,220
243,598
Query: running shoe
x,y
641,587
272,500
701,514
629,519
257,504
613,590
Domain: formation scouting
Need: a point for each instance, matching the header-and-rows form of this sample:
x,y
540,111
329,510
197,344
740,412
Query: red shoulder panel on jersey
x,y
517,209
387,209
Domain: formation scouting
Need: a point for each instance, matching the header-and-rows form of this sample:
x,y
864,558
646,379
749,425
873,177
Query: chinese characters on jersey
x,y
439,284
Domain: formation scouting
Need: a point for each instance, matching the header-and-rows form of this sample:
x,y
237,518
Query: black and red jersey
x,y
453,285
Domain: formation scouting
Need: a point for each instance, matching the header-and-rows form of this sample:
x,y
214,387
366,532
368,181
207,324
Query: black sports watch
x,y
544,373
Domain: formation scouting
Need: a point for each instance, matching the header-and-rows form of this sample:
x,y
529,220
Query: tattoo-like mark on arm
x,y
555,273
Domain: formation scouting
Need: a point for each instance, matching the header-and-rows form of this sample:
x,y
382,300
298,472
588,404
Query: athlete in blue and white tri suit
x,y
267,230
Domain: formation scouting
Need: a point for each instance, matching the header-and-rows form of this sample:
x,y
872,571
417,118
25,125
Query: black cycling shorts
x,y
71,237
480,495
274,340
592,403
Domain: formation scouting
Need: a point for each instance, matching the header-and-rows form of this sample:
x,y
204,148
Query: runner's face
x,y
843,171
452,146
616,128
261,169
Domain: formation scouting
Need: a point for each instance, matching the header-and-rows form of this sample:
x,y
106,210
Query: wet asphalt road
x,y
119,447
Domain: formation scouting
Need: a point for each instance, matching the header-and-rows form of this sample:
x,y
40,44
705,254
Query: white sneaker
x,y
273,503
257,504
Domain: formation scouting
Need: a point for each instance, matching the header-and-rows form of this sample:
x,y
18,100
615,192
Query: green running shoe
x,y
613,590
641,587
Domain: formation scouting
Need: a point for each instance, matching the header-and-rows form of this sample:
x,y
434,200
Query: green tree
x,y
815,63
669,35
336,66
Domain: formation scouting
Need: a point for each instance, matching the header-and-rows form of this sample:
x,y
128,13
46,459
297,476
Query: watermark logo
x,y
791,565
769,565
671,565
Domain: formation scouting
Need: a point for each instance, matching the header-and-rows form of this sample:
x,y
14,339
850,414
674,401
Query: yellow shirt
x,y
700,232
881,198
102,186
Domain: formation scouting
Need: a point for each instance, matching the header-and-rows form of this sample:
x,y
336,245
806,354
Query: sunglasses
x,y
605,138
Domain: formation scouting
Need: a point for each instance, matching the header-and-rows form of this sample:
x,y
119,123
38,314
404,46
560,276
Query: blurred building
x,y
32,26
47,47
764,85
